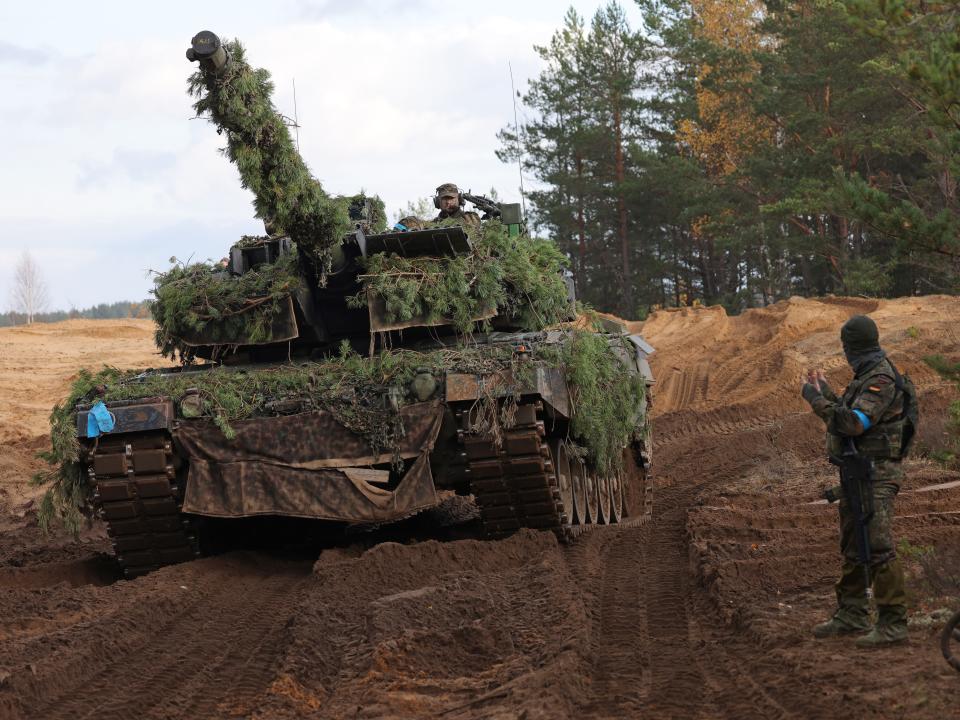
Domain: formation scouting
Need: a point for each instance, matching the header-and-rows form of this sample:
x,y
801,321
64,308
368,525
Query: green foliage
x,y
120,309
203,299
908,550
867,276
67,495
287,198
519,277
606,397
366,210
852,190
950,371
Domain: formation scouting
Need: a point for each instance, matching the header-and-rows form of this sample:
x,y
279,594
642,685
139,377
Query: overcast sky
x,y
105,174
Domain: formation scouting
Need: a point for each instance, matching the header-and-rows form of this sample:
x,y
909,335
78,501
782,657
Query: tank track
x,y
139,496
515,482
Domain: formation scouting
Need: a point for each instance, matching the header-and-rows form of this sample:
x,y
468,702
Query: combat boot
x,y
891,627
883,635
841,623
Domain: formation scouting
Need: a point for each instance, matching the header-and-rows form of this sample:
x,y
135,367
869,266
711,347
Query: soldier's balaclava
x,y
861,341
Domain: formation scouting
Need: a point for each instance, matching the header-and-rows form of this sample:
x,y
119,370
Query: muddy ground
x,y
704,612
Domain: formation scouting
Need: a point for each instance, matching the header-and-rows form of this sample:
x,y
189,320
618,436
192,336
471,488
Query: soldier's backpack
x,y
911,411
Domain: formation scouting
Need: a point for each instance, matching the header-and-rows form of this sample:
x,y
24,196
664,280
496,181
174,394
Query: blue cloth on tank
x,y
99,419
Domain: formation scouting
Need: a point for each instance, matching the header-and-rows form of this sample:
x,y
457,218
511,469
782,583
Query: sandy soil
x,y
704,612
38,363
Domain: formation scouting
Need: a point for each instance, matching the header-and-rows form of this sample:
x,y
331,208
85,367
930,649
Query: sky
x,y
105,173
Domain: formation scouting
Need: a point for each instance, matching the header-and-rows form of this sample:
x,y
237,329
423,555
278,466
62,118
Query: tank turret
x,y
328,270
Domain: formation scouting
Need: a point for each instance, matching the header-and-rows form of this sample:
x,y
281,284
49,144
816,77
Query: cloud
x,y
320,10
23,56
126,164
102,154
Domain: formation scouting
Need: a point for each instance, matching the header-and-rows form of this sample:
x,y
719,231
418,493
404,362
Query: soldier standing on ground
x,y
873,413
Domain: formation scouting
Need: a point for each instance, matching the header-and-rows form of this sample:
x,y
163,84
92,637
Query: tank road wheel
x,y
616,496
561,465
593,497
604,493
578,482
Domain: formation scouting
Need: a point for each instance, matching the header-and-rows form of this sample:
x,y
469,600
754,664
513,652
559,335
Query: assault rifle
x,y
856,484
490,208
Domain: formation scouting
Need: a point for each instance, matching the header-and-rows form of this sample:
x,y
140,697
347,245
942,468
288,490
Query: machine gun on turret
x,y
507,213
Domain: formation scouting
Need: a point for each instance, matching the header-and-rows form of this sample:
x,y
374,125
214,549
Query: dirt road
x,y
704,612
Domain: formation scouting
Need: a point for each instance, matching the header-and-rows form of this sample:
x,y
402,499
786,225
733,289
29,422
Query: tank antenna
x,y
296,121
513,93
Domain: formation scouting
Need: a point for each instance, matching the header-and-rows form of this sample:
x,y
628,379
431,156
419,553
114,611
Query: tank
x,y
340,371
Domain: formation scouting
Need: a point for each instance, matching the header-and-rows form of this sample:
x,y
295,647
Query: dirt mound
x,y
721,375
412,630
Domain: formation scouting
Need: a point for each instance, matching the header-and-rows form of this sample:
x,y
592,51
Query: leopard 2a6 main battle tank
x,y
336,370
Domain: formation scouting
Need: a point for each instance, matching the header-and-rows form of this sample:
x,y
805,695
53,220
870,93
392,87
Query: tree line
x,y
102,311
743,151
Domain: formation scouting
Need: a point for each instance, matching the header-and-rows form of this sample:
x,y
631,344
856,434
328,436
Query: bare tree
x,y
29,290
423,208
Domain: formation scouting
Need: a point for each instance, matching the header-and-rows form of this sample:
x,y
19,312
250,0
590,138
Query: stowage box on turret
x,y
338,370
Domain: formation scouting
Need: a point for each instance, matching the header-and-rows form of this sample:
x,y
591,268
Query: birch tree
x,y
30,295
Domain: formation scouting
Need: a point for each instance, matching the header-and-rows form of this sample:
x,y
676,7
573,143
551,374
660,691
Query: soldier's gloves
x,y
810,393
825,388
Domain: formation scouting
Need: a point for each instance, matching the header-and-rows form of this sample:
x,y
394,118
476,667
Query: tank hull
x,y
506,443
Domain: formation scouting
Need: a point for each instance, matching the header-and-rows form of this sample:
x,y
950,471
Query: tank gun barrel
x,y
238,100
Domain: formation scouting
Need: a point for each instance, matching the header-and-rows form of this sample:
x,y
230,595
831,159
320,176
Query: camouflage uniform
x,y
451,190
870,412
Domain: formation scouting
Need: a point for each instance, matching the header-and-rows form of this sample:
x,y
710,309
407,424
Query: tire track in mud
x,y
676,678
213,660
611,561
659,650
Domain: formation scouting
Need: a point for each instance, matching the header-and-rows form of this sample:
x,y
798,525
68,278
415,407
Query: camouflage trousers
x,y
886,574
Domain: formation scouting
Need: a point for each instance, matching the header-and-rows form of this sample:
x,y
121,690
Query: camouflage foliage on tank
x,y
202,304
517,277
237,98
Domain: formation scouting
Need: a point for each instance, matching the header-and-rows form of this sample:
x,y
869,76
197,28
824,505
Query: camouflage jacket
x,y
466,217
870,410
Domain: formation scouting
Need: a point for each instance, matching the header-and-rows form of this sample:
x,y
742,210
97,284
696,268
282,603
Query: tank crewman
x,y
449,201
874,412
